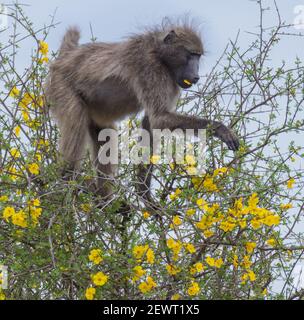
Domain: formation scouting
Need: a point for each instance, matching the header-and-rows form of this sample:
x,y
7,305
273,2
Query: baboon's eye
x,y
195,54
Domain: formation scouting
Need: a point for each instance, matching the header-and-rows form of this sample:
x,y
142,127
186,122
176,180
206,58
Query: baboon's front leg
x,y
172,121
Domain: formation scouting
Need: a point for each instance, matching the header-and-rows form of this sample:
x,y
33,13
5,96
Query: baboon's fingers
x,y
232,141
227,136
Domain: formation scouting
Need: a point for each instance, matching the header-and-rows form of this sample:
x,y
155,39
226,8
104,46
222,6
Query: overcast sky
x,y
112,20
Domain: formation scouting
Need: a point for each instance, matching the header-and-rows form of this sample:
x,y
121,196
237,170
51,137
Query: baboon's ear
x,y
170,37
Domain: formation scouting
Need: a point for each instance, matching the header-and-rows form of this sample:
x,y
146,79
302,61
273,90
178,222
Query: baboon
x,y
92,86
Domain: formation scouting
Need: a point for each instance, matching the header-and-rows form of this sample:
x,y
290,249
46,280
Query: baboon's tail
x,y
70,40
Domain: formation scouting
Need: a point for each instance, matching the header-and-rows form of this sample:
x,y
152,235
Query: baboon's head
x,y
180,51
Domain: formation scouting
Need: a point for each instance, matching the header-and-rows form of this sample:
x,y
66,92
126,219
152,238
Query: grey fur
x,y
94,85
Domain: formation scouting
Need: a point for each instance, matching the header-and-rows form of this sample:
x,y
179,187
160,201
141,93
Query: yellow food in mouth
x,y
187,82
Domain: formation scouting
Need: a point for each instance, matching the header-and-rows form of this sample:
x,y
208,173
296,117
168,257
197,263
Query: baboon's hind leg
x,y
105,172
72,119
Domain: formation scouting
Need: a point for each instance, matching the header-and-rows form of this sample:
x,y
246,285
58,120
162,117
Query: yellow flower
x,y
253,201
256,224
290,183
151,282
15,153
172,196
38,156
99,279
43,142
175,246
139,272
250,246
26,100
39,101
209,185
175,194
95,256
3,198
139,251
218,263
17,131
238,206
176,296
43,47
33,168
244,278
197,183
208,233
43,59
145,287
201,203
34,202
199,267
90,293
220,171
150,256
190,212
251,275
8,212
192,270
19,219
194,289
35,214
271,220
243,223
13,173
172,270
25,116
191,170
86,207
271,242
14,92
235,261
210,261
2,296
170,243
177,221
190,248
246,262
227,226
190,160
178,191
172,166
146,215
154,159
286,206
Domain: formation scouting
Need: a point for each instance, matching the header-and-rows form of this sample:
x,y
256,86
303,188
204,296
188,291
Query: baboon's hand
x,y
227,135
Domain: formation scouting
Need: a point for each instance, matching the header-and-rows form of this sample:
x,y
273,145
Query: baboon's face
x,y
182,60
187,70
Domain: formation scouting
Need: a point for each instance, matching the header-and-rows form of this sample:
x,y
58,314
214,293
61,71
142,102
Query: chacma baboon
x,y
92,86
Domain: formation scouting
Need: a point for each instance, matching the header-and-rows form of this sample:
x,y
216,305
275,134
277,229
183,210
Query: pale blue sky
x,y
111,20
